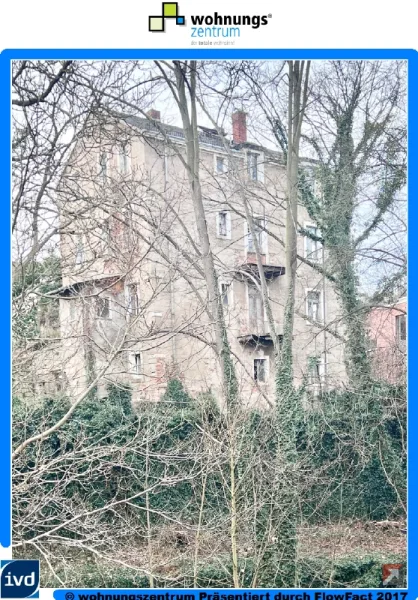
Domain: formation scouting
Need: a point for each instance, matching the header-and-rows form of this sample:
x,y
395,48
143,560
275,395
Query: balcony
x,y
254,340
271,272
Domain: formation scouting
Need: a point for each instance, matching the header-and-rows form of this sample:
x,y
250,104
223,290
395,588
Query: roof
x,y
207,137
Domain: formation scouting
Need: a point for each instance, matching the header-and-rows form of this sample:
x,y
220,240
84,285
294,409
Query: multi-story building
x,y
134,289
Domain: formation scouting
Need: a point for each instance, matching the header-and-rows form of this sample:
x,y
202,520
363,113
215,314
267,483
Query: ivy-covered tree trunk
x,y
338,211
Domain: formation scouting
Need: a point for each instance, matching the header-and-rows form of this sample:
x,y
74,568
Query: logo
x,y
392,575
170,11
19,579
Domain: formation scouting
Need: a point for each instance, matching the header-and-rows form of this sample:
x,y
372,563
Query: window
x,y
259,226
313,248
107,236
255,310
220,165
135,363
260,370
223,222
103,308
72,309
316,370
103,166
313,305
252,164
79,251
401,328
225,293
132,300
124,159
58,381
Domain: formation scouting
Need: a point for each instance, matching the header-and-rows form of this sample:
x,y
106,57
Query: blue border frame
x,y
5,238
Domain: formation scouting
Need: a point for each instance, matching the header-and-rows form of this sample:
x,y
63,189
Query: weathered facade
x,y
134,290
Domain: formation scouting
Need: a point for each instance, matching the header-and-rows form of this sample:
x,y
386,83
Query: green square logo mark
x,y
156,24
170,9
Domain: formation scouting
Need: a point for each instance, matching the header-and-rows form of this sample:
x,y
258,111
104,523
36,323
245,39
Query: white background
x,y
124,24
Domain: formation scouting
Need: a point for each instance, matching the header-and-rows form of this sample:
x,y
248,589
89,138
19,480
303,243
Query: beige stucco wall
x,y
173,331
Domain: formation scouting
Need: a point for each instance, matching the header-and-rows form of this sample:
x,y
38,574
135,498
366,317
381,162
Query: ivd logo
x,y
19,579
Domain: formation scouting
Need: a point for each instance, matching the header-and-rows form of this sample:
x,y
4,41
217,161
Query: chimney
x,y
154,114
239,127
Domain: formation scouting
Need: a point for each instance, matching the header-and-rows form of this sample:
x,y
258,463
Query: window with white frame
x,y
124,159
103,163
313,305
79,250
259,224
132,300
102,308
220,165
260,370
135,363
316,370
223,224
401,328
313,247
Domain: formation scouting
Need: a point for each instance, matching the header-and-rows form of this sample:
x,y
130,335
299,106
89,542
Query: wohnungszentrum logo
x,y
170,11
19,579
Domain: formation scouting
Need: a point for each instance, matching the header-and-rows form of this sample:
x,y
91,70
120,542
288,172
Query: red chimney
x,y
239,127
154,114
